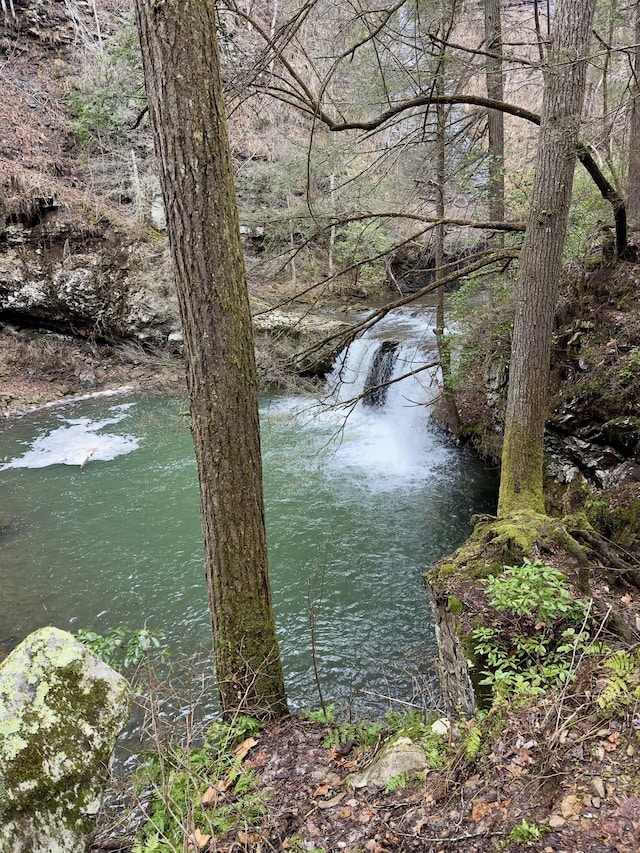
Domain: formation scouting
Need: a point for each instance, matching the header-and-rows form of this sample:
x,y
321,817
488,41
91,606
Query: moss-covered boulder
x,y
61,709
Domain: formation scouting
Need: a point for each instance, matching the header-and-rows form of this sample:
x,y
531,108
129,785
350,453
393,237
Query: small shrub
x,y
535,590
545,630
120,647
207,791
525,831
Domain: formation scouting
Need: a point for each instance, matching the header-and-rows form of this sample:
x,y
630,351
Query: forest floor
x,y
551,775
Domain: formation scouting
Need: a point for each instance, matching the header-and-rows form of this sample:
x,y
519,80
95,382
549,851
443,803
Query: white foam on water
x,y
78,442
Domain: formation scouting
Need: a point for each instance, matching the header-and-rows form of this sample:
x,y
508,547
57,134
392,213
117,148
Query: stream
x,y
100,523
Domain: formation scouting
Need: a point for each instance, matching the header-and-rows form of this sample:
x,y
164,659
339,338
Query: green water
x,y
352,525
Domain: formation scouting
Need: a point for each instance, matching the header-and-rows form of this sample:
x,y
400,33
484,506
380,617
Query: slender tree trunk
x,y
448,407
495,119
541,260
633,203
181,65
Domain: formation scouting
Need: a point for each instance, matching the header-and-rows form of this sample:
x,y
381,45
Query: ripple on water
x,y
356,512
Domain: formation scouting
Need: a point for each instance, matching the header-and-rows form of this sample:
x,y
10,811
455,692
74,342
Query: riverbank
x,y
554,774
38,367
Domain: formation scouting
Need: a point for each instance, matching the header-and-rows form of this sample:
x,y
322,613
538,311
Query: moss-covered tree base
x,y
591,564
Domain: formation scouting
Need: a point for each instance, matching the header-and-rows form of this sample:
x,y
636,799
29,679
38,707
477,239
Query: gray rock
x,y
400,756
111,283
61,709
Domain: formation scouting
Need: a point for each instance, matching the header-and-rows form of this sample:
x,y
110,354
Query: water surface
x,y
101,526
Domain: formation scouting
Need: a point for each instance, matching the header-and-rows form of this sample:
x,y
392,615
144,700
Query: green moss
x,y
56,746
521,475
620,524
494,543
455,605
60,732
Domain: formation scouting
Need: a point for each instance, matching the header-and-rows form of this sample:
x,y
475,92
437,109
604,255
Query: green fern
x,y
622,663
473,743
622,688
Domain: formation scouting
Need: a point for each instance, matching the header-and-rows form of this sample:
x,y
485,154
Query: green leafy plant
x,y
357,247
297,844
207,790
631,368
474,741
437,751
525,831
121,648
534,589
397,783
363,734
620,691
369,734
546,626
111,92
325,715
92,112
411,723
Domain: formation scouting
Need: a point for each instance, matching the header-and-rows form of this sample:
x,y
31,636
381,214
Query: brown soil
x,y
41,367
569,774
579,775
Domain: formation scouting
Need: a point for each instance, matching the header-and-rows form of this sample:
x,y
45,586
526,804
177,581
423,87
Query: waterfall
x,y
382,370
381,381
380,373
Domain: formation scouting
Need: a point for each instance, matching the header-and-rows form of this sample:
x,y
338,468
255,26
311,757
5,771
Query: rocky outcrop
x,y
606,454
105,285
61,710
96,282
308,341
452,663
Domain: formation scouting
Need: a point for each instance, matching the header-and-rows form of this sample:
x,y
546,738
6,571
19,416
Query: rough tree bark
x,y
541,260
181,66
448,406
633,201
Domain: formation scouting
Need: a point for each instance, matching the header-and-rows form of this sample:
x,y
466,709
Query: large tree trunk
x,y
448,406
181,64
541,260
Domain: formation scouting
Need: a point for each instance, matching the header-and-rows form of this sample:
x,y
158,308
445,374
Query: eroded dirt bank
x,y
41,367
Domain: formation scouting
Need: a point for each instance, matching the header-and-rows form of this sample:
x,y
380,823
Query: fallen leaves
x,y
212,795
240,752
199,840
334,801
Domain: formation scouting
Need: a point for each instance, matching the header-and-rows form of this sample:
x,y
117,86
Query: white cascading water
x,y
389,434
